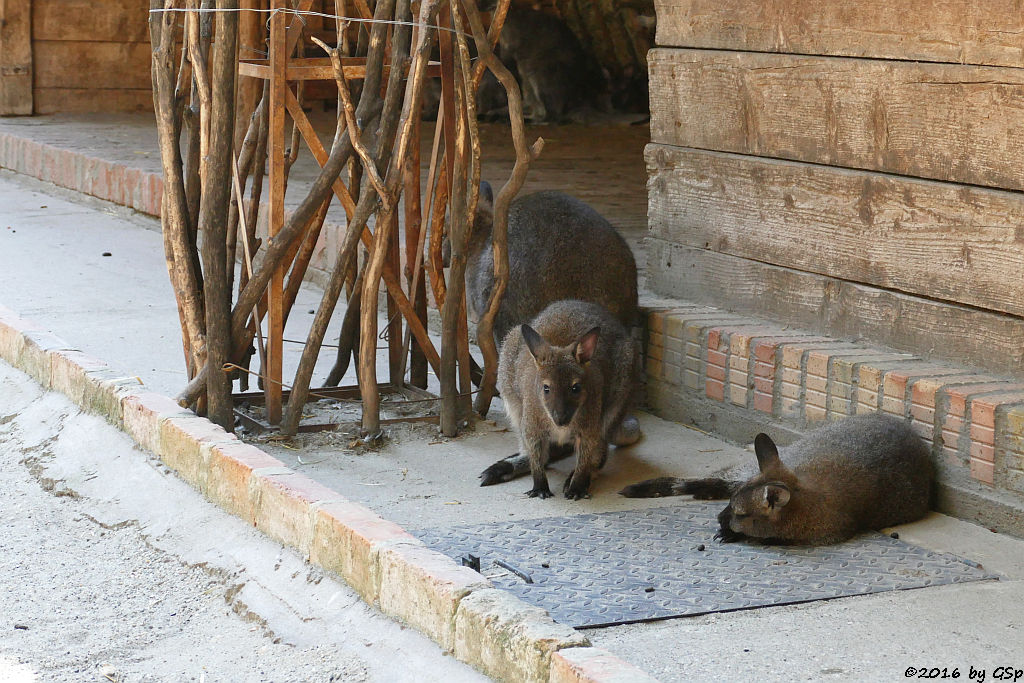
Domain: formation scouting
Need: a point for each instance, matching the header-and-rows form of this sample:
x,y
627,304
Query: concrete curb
x,y
458,608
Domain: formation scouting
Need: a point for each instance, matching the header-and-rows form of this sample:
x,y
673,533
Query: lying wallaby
x,y
860,473
558,248
568,380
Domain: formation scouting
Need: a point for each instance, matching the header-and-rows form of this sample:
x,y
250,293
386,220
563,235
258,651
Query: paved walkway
x,y
119,308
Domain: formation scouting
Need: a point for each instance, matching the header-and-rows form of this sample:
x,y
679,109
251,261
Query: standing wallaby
x,y
558,248
568,381
857,474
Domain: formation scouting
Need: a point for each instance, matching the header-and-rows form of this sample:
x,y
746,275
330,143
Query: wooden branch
x,y
213,214
499,232
318,329
350,120
174,207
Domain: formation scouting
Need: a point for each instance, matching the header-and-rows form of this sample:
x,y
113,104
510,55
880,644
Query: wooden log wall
x,y
91,56
852,167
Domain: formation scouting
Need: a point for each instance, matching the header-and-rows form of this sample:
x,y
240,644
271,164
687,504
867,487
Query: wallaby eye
x,y
547,389
576,388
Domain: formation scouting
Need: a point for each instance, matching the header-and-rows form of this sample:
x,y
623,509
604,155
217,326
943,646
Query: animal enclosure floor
x,y
645,565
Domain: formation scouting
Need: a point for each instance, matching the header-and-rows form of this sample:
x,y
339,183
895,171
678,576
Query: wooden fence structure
x,y
214,188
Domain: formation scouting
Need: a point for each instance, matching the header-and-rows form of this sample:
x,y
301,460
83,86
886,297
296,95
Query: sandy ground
x,y
114,569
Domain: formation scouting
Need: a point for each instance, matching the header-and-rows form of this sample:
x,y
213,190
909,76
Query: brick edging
x,y
699,356
458,608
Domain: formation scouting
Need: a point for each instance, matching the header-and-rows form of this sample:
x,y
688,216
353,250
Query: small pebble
x,y
700,547
649,590
545,565
20,627
894,535
107,253
311,311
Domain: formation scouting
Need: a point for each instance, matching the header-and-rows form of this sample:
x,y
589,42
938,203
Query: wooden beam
x,y
955,31
932,239
941,121
15,57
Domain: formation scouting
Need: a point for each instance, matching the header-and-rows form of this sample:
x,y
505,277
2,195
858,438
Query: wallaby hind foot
x,y
628,432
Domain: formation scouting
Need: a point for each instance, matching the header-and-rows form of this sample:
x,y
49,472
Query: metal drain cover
x,y
643,565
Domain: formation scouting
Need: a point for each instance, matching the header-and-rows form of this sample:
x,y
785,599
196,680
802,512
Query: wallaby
x,y
853,475
558,248
560,81
568,380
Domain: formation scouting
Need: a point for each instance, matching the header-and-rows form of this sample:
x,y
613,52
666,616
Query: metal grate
x,y
644,565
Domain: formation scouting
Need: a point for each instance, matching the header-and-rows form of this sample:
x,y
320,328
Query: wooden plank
x,y
938,240
937,121
87,64
82,100
15,57
989,341
118,21
955,31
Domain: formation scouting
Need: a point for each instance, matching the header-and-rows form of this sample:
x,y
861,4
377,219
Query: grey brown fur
x,y
568,381
857,474
558,248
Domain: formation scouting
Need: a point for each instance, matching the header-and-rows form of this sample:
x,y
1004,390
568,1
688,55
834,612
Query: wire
x,y
301,14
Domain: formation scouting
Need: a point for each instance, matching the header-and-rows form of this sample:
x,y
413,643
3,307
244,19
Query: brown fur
x,y
860,473
568,379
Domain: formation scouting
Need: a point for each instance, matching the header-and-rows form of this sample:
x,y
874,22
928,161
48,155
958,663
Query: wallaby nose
x,y
563,417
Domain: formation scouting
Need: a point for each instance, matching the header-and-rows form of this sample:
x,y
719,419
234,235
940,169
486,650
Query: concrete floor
x,y
120,309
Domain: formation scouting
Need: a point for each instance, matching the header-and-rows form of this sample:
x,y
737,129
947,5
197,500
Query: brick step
x,y
736,375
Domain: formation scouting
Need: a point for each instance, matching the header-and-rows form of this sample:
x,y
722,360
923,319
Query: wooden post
x,y
414,251
15,57
275,333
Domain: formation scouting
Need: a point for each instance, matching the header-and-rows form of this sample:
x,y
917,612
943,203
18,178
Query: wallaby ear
x,y
534,341
776,495
767,453
586,346
486,194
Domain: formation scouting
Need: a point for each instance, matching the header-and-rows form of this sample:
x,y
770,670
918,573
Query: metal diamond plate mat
x,y
644,565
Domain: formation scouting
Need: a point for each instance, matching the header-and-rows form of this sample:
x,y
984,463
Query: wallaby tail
x,y
517,464
712,488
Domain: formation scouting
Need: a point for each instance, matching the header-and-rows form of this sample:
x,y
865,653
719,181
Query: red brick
x,y
715,372
983,471
716,358
714,389
763,402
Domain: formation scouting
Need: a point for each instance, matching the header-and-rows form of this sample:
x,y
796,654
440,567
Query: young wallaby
x,y
567,380
560,81
558,248
853,475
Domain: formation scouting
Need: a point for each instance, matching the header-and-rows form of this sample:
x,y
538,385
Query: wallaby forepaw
x,y
497,473
575,487
537,492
